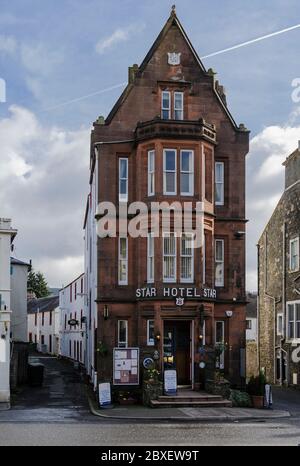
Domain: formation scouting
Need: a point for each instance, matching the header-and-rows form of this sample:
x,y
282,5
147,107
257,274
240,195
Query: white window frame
x,y
170,193
292,242
123,197
220,182
123,344
181,109
218,261
294,338
150,342
122,282
278,318
190,173
151,173
182,256
150,255
174,256
222,357
166,109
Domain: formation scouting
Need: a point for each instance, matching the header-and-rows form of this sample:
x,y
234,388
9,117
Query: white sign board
x,y
104,394
296,355
170,382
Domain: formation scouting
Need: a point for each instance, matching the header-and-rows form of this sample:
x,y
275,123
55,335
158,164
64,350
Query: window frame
x,y
182,105
190,173
121,343
217,261
151,173
294,338
165,171
174,256
123,197
222,183
187,280
166,109
150,273
122,282
292,241
248,322
150,342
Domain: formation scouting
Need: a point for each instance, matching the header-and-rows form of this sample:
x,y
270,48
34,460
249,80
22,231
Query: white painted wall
x,y
251,335
19,302
6,235
91,276
73,338
37,330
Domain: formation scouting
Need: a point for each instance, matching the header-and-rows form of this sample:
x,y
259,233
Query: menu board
x,y
104,394
170,382
126,366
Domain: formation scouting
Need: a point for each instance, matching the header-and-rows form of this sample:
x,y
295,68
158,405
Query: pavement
x,y
65,398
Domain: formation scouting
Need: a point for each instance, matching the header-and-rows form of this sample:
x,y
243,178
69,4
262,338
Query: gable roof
x,y
172,21
15,261
42,304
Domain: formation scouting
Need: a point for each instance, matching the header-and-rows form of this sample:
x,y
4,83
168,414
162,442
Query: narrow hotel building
x,y
170,137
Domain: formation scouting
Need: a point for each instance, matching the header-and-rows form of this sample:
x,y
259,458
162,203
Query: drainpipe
x,y
282,337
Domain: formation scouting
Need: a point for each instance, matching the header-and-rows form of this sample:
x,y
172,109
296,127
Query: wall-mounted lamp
x,y
157,337
105,312
229,313
200,337
239,234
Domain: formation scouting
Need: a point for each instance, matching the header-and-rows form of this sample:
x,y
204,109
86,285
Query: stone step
x,y
190,399
191,404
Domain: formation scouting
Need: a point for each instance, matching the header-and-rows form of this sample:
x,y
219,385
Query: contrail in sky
x,y
258,39
229,49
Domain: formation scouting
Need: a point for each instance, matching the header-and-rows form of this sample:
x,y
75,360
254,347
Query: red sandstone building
x,y
170,137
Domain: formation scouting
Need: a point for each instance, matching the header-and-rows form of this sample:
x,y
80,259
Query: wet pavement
x,y
62,398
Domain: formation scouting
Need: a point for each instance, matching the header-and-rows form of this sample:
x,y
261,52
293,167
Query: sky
x,y
65,63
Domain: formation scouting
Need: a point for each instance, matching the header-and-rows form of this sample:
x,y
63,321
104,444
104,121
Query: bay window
x,y
187,258
170,185
169,258
187,172
219,262
150,258
151,173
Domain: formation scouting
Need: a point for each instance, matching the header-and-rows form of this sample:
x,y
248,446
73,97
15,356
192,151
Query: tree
x,y
36,283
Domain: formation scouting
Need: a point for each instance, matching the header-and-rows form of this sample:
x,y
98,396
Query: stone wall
x,y
251,359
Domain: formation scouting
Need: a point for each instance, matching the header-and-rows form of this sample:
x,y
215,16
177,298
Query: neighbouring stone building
x,y
170,137
279,284
251,335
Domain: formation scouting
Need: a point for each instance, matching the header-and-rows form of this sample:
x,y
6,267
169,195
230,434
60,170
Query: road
x,y
58,414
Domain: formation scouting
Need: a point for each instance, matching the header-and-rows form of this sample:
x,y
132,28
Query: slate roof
x,y
42,304
15,261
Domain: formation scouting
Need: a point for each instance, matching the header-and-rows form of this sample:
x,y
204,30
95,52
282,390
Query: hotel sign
x,y
180,294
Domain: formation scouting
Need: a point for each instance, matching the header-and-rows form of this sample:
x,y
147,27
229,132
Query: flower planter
x,y
257,401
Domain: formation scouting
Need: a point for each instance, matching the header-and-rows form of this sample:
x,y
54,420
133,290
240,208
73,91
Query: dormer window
x,y
172,105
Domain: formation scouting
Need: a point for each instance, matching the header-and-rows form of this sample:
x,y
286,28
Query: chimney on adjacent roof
x,y
292,168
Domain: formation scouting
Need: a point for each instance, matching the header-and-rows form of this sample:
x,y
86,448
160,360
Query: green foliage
x,y
240,399
256,385
102,349
36,283
152,374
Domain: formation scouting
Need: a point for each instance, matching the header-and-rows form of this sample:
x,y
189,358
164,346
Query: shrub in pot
x,y
256,389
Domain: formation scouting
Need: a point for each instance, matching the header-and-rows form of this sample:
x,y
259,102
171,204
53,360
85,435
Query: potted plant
x,y
256,389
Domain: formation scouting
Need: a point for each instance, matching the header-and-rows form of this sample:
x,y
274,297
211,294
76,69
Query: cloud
x,y
119,35
44,182
265,183
39,59
8,44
